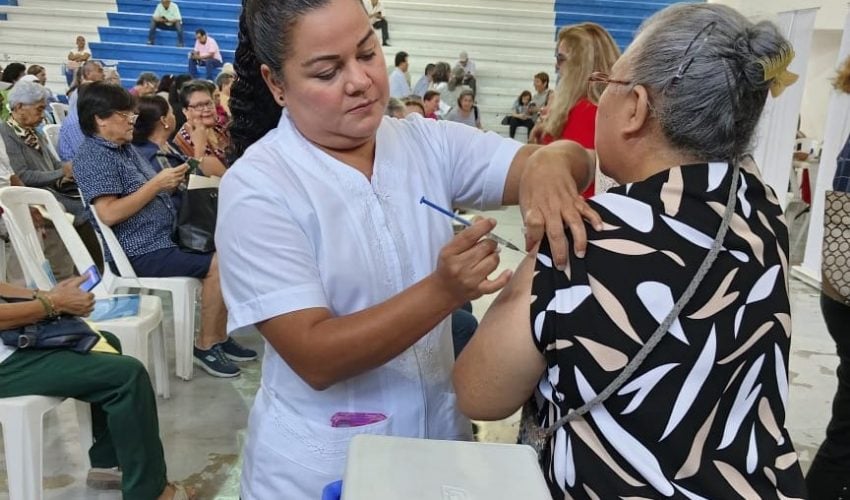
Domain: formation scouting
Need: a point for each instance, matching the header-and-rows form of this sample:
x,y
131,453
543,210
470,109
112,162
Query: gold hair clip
x,y
776,69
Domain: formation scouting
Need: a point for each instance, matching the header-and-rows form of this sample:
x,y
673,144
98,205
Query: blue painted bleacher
x,y
124,40
621,18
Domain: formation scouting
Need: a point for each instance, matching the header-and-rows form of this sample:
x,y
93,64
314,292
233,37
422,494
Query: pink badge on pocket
x,y
355,419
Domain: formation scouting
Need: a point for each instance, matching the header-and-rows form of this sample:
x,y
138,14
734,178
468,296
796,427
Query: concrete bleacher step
x,y
83,18
114,34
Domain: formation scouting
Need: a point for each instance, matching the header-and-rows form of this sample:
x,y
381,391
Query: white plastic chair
x,y
51,132
22,421
184,292
60,111
134,332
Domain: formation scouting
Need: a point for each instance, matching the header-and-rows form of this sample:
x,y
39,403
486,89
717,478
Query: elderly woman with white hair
x,y
34,163
657,365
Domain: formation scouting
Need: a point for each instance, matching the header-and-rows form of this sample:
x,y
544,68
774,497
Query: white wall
x,y
819,82
830,17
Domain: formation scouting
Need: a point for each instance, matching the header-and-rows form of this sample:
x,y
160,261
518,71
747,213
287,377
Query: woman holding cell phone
x,y
131,197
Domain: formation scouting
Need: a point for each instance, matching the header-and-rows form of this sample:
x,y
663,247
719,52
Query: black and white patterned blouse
x,y
703,417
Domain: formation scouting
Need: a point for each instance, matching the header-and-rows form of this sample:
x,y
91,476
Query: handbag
x,y
64,332
506,120
194,226
530,432
835,252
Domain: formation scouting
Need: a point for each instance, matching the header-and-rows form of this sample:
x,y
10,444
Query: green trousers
x,y
123,406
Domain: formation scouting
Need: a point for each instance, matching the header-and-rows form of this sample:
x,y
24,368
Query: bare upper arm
x,y
499,368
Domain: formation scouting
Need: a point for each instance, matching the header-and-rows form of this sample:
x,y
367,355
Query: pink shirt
x,y
205,49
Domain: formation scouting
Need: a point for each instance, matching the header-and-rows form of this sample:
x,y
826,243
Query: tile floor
x,y
203,424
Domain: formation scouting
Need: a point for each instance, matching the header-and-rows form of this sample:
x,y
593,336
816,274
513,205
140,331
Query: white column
x,y
777,130
835,133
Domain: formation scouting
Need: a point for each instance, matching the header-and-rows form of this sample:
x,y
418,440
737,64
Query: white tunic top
x,y
298,229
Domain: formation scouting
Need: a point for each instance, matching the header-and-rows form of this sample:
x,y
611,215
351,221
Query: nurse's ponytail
x,y
265,32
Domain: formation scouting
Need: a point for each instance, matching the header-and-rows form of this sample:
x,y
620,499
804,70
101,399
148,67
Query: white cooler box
x,y
394,468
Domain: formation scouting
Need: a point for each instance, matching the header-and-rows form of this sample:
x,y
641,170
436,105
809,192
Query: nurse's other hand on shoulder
x,y
549,198
467,260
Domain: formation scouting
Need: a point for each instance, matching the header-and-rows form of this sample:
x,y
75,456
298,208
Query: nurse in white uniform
x,y
325,249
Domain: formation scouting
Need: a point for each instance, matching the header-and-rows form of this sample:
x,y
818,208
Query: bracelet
x,y
47,304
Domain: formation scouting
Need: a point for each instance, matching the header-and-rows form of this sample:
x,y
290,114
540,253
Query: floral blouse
x,y
703,416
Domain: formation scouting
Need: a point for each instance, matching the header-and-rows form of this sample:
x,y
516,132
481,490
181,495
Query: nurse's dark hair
x,y
265,37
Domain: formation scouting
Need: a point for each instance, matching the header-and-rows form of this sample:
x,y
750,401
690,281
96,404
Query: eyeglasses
x,y
599,81
202,106
131,117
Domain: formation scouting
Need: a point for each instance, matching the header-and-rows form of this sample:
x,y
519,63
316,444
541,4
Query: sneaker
x,y
150,42
236,352
104,479
215,362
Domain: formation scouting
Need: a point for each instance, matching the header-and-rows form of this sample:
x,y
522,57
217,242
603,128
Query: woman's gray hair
x,y
701,65
26,93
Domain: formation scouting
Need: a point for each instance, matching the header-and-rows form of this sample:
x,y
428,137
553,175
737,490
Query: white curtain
x,y
835,133
777,129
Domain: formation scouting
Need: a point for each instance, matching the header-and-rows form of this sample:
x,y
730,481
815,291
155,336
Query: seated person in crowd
x,y
174,100
431,104
521,113
153,127
127,451
542,93
399,86
224,82
146,84
465,111
375,9
450,90
70,135
30,157
702,413
468,67
134,200
424,82
10,75
76,58
412,105
166,16
205,55
38,73
202,137
395,108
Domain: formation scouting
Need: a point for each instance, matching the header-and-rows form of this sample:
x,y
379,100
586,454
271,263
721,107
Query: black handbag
x,y
194,226
64,332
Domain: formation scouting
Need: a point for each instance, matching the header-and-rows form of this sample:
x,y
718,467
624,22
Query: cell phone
x,y
194,165
355,419
92,279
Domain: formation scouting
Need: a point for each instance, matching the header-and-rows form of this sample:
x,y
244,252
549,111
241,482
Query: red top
x,y
581,128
